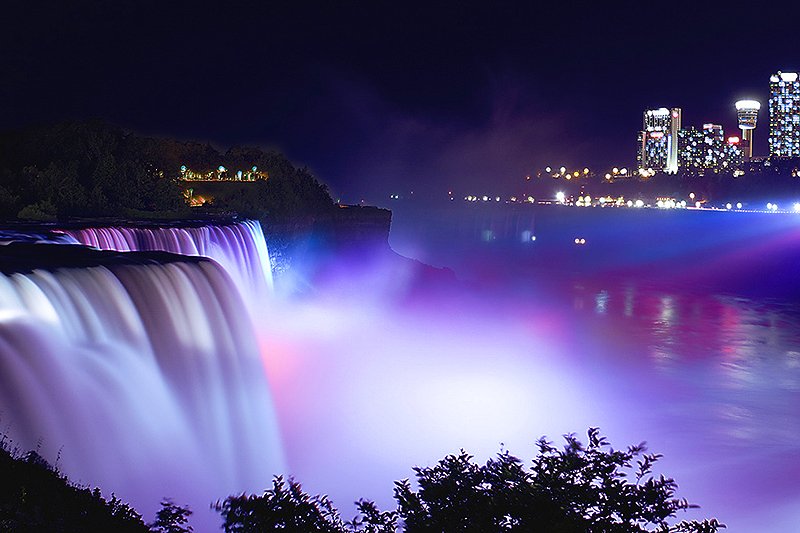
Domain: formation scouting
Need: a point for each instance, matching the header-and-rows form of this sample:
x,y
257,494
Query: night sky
x,y
388,97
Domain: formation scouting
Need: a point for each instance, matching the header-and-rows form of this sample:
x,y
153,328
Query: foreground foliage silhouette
x,y
577,488
35,497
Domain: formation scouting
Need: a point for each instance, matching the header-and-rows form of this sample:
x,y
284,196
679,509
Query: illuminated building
x,y
747,113
707,150
658,141
735,153
784,115
691,143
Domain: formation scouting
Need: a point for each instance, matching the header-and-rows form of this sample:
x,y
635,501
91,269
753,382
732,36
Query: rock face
x,y
302,244
309,253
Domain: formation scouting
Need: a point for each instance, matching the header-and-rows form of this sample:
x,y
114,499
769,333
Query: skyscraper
x,y
784,115
707,151
658,141
747,113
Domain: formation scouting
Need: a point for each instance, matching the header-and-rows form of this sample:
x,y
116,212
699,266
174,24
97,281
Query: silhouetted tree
x,y
578,488
171,518
285,507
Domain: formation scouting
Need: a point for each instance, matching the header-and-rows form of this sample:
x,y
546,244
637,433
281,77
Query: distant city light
x,y
728,206
560,196
639,203
738,205
797,207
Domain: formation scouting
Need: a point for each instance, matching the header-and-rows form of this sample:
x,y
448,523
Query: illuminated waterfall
x,y
240,248
141,370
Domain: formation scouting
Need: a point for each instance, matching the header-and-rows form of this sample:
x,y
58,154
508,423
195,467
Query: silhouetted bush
x,y
171,518
578,488
35,497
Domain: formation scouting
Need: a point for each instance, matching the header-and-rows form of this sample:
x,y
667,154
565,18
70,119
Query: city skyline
x,y
664,146
373,97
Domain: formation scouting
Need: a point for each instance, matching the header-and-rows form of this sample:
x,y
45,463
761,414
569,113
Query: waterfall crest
x,y
141,370
239,247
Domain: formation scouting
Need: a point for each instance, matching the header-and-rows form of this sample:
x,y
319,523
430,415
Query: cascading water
x,y
140,370
240,248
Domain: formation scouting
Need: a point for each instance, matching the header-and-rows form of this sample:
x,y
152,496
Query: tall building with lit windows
x,y
784,115
707,151
658,141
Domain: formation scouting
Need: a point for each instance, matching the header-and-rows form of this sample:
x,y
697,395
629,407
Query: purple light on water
x,y
368,382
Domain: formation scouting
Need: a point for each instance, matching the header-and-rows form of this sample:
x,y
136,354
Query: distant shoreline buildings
x,y
663,146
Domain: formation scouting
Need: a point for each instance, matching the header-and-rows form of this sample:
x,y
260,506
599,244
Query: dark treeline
x,y
93,169
574,489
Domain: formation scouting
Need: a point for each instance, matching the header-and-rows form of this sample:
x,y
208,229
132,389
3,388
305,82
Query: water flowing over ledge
x,y
239,247
140,370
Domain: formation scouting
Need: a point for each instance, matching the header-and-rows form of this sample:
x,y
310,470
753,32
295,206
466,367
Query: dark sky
x,y
387,97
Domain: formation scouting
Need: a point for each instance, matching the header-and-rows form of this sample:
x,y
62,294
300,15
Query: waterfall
x,y
140,370
239,247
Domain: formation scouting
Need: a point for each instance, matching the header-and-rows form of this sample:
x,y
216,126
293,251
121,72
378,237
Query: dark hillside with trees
x,y
94,169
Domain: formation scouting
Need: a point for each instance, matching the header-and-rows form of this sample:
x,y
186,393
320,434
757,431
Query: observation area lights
x,y
221,174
